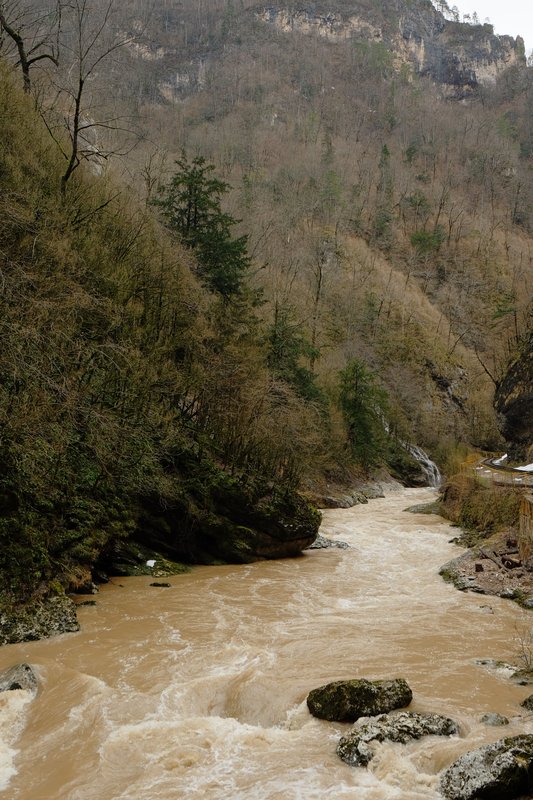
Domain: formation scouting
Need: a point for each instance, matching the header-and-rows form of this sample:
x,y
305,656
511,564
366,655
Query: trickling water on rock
x,y
199,690
428,467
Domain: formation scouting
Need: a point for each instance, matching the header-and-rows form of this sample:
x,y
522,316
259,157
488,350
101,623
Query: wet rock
x,y
38,620
373,492
344,500
508,593
528,703
498,771
424,508
522,677
128,558
346,701
493,719
21,676
322,542
356,749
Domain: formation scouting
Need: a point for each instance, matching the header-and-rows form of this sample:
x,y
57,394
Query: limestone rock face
x,y
346,701
457,55
356,750
498,771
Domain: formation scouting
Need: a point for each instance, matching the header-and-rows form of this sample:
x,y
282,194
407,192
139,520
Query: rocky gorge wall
x,y
456,55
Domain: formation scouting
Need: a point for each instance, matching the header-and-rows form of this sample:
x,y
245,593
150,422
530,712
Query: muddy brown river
x,y
198,690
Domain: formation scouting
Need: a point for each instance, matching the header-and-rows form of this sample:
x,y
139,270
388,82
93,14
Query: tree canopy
x,y
191,205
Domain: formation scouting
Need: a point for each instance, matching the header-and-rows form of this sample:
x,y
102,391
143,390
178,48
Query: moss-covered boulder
x,y
498,771
356,748
346,701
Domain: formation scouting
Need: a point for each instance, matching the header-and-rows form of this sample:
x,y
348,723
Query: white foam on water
x,y
12,721
196,757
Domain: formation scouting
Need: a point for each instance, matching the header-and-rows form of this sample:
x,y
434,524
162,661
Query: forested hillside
x,y
245,252
380,160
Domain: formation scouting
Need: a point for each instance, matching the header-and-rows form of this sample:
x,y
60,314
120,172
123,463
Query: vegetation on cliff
x,y
480,509
140,397
129,394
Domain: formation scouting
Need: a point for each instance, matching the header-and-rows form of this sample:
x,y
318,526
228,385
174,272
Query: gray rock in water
x,y
494,719
344,500
498,771
346,701
321,543
356,748
528,703
21,676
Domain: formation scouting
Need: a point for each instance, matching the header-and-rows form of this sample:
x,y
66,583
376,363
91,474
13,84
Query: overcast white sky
x,y
514,17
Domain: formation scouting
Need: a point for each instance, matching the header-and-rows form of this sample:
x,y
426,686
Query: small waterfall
x,y
429,468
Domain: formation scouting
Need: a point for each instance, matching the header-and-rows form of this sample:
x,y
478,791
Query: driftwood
x,y
492,556
506,561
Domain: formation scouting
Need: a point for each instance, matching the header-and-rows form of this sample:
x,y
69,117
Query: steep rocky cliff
x,y
457,55
514,401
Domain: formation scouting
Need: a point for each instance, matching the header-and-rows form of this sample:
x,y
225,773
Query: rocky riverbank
x,y
492,567
38,620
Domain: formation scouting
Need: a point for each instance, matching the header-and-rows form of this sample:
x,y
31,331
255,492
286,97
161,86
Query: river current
x,y
198,690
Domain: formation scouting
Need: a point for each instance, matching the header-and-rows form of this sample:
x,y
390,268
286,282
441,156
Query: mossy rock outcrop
x,y
347,701
38,620
220,518
127,558
498,771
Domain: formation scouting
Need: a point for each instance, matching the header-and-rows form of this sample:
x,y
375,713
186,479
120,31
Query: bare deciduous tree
x,y
32,33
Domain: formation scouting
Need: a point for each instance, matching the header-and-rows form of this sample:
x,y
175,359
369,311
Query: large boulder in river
x,y
356,749
498,771
346,701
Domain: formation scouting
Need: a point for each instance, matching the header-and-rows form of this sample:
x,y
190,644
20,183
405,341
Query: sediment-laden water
x,y
198,690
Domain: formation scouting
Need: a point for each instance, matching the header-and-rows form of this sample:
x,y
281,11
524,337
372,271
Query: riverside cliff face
x,y
514,400
457,55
